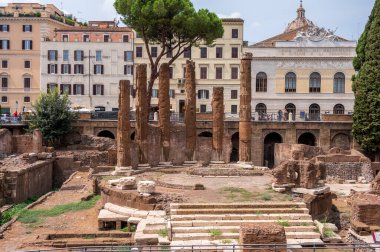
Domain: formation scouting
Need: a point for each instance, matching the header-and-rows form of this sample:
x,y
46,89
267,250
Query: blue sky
x,y
263,18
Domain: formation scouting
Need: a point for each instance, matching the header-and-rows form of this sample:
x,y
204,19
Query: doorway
x,y
269,143
235,148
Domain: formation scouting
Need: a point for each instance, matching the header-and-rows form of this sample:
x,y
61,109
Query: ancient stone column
x,y
141,113
123,128
245,130
190,111
217,123
164,110
37,141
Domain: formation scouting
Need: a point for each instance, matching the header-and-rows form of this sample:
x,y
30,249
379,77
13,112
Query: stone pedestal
x,y
164,110
190,111
142,113
217,123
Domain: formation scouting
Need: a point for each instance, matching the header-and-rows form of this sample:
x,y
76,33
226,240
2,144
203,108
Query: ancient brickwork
x,y
2,189
123,126
5,142
245,130
365,209
318,205
27,143
142,113
217,123
164,110
190,111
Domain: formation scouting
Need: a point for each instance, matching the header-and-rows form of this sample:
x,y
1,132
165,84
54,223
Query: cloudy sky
x,y
263,18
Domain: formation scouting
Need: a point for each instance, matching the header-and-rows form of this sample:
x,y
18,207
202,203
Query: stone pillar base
x,y
217,162
189,163
245,165
165,164
122,171
143,166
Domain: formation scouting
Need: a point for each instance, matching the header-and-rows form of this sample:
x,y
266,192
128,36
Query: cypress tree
x,y
366,127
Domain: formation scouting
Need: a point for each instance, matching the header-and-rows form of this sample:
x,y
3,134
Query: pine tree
x,y
366,127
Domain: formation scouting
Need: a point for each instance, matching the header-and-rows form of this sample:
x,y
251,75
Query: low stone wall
x,y
365,209
349,170
63,168
207,171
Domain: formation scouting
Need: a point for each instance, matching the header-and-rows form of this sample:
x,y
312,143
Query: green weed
x,y
226,241
283,223
328,233
236,191
265,196
215,232
163,232
15,211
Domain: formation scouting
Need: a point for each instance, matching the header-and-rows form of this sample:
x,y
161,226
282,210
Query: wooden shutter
x,y
70,69
94,69
82,89
199,94
1,44
125,69
61,88
62,68
56,68
23,28
102,69
75,89
48,68
132,69
102,90
81,55
31,28
69,89
8,28
125,55
93,89
56,55
23,45
31,45
207,94
49,55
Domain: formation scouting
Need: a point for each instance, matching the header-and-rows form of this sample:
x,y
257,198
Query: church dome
x,y
300,21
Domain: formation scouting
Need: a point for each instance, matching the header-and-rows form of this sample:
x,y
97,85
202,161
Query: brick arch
x,y
341,140
100,130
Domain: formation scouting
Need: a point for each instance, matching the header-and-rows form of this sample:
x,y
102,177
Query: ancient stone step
x,y
232,229
305,242
237,205
200,223
257,216
237,211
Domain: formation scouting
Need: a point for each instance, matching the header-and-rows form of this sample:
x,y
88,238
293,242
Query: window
x,y
234,94
128,70
235,33
98,89
27,64
290,83
219,73
78,69
27,45
291,108
204,52
65,38
169,53
234,73
78,89
107,38
52,68
4,28
4,64
172,93
27,99
51,86
4,99
261,82
27,28
203,108
187,53
203,94
171,72
66,55
52,55
261,109
125,38
314,111
27,83
235,52
139,52
4,83
153,52
315,83
234,109
339,83
86,38
184,72
4,44
98,69
155,93
128,56
203,73
65,69
219,52
78,55
339,109
66,89
98,55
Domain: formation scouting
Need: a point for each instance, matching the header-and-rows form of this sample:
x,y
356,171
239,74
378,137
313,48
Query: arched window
x,y
339,83
339,109
291,108
261,109
314,112
290,83
315,83
261,82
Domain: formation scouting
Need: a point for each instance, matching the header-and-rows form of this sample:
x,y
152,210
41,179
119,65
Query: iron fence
x,y
153,116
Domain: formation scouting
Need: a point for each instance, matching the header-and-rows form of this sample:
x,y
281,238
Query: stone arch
x,y
341,141
106,133
270,140
234,157
307,138
207,134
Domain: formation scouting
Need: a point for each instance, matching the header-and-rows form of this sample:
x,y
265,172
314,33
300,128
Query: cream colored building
x,y
305,70
215,66
22,28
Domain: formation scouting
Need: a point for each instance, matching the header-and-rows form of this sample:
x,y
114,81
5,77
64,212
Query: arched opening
x,y
133,136
261,110
315,83
291,108
269,143
235,148
307,139
261,82
314,112
205,134
341,141
290,83
338,109
106,133
339,83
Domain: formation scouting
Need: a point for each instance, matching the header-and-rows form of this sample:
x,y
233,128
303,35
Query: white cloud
x,y
232,15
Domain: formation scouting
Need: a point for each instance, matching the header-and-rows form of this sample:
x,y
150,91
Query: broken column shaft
x,y
190,111
142,113
217,123
164,110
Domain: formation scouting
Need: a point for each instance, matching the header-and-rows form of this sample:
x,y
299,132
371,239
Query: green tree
x,y
366,127
52,115
174,25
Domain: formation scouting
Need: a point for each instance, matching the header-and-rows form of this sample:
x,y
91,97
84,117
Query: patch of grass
x,y
35,216
163,232
265,196
284,223
215,232
130,229
289,198
107,178
237,191
15,210
226,241
259,213
328,233
88,237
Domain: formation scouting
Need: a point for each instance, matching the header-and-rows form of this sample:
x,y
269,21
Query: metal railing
x,y
113,116
225,248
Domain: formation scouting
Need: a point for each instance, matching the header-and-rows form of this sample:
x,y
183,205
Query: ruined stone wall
x,y
22,144
2,189
349,170
365,208
63,168
5,142
284,152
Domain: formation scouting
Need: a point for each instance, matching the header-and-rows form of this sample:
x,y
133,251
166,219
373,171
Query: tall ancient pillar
x,y
190,112
123,129
245,124
164,111
141,114
217,124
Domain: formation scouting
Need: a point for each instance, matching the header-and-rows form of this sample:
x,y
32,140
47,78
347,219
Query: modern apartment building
x,y
87,63
215,66
22,28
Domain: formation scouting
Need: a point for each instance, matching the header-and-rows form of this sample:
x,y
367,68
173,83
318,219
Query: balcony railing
x,y
113,116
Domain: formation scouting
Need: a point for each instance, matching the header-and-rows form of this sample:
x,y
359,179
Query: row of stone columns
x,y
142,130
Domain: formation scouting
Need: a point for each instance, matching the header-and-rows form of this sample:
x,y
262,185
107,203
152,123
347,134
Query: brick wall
x,y
349,170
5,142
22,144
365,208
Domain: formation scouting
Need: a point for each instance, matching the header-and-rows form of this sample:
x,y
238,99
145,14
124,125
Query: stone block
x,y
146,187
126,183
